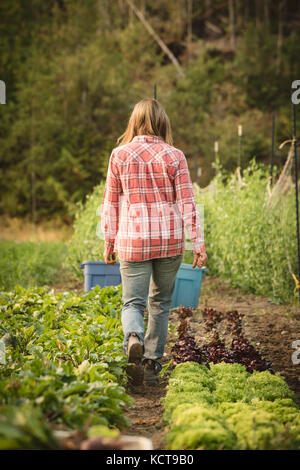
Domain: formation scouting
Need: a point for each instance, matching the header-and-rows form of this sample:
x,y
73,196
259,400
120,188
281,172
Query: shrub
x,y
246,241
85,244
30,263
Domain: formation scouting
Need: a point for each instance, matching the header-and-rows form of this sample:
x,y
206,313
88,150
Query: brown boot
x,y
151,371
134,349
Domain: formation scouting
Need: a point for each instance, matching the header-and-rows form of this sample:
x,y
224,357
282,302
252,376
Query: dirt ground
x,y
270,328
146,417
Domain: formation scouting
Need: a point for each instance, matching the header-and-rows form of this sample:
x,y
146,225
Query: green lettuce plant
x,y
225,407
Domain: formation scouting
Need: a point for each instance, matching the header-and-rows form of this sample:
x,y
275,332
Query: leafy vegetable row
x,y
226,407
215,351
63,361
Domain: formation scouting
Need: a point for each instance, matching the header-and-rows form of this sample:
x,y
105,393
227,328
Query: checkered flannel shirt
x,y
149,201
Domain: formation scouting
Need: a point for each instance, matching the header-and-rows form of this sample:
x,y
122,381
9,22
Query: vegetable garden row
x,y
227,398
62,365
63,369
226,407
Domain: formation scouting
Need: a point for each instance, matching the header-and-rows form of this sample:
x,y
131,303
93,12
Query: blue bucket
x,y
98,273
187,286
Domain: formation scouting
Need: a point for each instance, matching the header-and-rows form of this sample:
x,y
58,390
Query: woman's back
x,y
148,200
147,167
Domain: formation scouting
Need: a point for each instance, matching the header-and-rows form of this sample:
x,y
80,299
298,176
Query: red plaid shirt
x,y
148,201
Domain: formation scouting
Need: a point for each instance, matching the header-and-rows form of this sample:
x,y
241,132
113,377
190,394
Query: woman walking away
x,y
147,204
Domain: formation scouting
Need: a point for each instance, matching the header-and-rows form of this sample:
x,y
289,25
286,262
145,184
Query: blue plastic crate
x,y
187,286
99,273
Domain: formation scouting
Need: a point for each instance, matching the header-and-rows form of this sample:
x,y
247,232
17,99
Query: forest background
x,y
74,70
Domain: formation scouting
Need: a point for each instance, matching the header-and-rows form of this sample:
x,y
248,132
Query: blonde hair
x,y
147,118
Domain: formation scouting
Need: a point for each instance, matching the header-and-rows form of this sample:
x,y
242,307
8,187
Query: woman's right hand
x,y
109,258
200,259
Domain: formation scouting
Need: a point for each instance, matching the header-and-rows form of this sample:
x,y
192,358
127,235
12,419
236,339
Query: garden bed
x,y
270,329
266,326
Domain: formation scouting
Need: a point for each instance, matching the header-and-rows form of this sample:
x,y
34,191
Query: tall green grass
x,y
30,263
249,243
85,244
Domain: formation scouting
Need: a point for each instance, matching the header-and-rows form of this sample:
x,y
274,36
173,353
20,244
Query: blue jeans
x,y
153,281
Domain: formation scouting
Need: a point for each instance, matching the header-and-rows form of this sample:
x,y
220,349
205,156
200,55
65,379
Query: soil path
x,y
146,416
